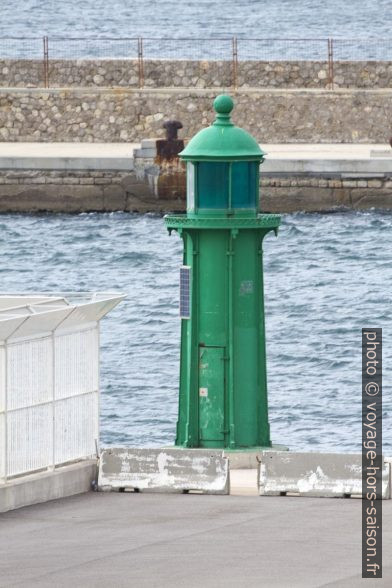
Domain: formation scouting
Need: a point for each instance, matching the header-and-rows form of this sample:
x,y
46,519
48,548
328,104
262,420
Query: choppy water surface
x,y
91,29
327,276
173,18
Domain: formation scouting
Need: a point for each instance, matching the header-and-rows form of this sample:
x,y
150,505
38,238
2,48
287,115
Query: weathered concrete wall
x,y
77,191
272,116
48,485
200,74
106,191
323,193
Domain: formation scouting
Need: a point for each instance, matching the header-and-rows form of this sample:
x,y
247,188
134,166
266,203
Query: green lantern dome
x,y
222,141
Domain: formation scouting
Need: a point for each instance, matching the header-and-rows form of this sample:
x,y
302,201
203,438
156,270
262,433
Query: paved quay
x,y
106,177
153,540
67,156
119,156
336,158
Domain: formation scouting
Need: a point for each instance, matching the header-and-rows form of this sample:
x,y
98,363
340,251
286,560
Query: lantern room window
x,y
213,185
244,184
222,186
190,187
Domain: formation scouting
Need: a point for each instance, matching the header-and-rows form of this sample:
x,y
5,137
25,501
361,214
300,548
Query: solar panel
x,y
185,299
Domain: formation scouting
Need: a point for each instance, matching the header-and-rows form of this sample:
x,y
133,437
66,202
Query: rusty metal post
x,y
235,63
330,63
46,62
140,61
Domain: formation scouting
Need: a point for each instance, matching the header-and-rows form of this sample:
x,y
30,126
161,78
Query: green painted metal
x,y
261,221
223,381
222,141
211,396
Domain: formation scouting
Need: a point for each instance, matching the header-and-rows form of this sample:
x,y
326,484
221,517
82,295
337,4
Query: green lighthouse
x,y
223,380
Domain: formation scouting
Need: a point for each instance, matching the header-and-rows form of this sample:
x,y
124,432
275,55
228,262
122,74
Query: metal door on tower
x,y
211,395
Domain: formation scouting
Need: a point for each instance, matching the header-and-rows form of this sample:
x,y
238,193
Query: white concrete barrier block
x,y
315,474
163,470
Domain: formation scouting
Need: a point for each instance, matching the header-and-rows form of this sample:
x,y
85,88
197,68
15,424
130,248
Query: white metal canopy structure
x,y
49,379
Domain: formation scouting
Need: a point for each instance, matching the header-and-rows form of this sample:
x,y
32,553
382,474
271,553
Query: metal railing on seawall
x,y
234,57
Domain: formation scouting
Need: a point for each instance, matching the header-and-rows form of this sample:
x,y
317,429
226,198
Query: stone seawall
x,y
116,115
324,193
74,191
106,191
154,73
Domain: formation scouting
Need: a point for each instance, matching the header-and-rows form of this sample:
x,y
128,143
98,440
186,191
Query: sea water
x,y
327,276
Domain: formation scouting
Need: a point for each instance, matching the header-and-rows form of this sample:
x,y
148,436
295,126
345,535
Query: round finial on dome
x,y
223,104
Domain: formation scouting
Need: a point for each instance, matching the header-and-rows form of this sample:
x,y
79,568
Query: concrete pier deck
x,y
190,541
67,156
345,159
106,177
280,158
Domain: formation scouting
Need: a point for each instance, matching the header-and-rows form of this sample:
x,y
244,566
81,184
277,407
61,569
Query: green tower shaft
x,y
223,380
